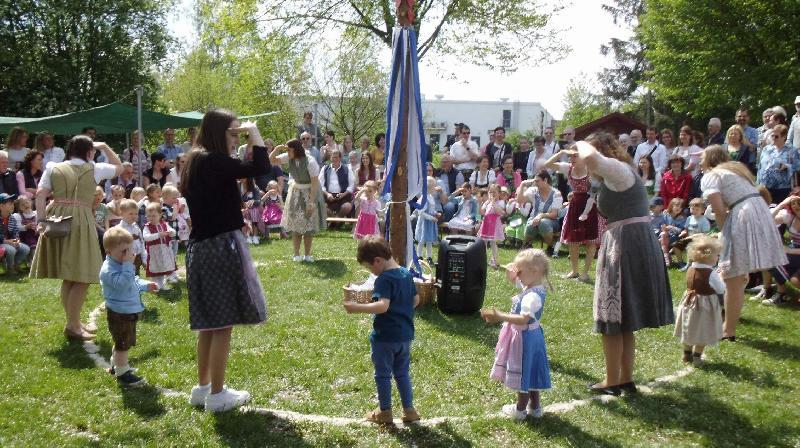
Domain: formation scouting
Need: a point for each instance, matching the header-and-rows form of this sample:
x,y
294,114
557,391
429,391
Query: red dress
x,y
574,230
672,187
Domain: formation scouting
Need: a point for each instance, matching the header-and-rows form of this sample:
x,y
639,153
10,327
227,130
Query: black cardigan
x,y
214,200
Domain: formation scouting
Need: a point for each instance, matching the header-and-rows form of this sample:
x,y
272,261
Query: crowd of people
x,y
636,206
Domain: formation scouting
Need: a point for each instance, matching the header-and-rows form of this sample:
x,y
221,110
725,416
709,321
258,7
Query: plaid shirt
x,y
9,228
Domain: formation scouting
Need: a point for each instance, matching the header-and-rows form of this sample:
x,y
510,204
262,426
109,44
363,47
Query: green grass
x,y
311,357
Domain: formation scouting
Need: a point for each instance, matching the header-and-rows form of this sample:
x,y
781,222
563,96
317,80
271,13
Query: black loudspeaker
x,y
461,274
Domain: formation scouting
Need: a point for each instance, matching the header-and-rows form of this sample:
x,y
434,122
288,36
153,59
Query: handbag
x,y
60,226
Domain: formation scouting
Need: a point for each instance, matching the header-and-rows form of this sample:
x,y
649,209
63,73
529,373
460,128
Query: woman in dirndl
x,y
224,289
581,227
72,184
631,286
304,210
750,240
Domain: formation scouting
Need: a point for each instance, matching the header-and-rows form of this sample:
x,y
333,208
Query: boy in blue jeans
x,y
122,292
393,302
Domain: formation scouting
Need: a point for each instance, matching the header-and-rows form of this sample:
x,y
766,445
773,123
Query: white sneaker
x,y
199,394
534,412
511,411
226,400
308,259
255,240
297,258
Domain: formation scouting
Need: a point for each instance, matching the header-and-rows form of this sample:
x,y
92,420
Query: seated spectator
x,y
778,163
158,173
468,214
785,216
16,252
715,136
520,158
509,177
126,180
28,176
740,148
650,177
15,147
449,178
676,182
537,157
8,179
366,169
329,146
354,158
465,152
546,202
482,177
45,144
338,184
174,175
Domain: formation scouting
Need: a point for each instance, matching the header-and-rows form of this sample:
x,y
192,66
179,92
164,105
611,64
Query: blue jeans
x,y
449,210
15,255
392,358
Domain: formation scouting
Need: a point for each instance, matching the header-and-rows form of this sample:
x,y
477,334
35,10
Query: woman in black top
x,y
224,289
30,173
158,173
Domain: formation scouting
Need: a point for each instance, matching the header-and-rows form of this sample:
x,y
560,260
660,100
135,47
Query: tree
x,y
500,34
234,66
624,79
713,56
581,104
62,56
351,86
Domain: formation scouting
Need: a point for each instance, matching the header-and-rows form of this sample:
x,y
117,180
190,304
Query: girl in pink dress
x,y
491,229
367,223
273,208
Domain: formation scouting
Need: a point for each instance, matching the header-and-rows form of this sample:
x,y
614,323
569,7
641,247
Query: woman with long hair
x,y
28,176
740,148
650,177
367,170
750,240
631,288
224,289
73,184
304,212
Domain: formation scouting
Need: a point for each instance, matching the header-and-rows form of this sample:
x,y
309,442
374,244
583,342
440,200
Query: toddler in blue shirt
x,y
122,293
393,301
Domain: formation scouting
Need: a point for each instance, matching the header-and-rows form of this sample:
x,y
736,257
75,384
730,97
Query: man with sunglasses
x,y
306,141
465,152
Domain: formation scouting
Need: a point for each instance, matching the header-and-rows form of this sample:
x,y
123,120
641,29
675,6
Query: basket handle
x,y
431,271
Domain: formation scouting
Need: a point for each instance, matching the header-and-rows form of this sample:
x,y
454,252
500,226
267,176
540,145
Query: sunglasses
x,y
465,133
306,138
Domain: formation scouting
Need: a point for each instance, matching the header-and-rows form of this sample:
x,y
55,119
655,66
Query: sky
x,y
590,28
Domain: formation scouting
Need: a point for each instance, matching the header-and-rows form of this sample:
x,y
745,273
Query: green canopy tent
x,y
114,118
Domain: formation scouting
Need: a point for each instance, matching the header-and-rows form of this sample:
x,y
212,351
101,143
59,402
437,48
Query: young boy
x,y
16,252
122,292
394,299
129,212
657,219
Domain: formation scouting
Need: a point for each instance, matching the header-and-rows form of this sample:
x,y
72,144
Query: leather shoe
x,y
73,336
607,390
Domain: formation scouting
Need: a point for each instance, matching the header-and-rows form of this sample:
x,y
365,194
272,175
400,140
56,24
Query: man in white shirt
x,y
50,152
464,153
794,127
550,142
653,149
337,183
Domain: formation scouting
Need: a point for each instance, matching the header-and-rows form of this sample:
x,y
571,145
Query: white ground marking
x,y
92,350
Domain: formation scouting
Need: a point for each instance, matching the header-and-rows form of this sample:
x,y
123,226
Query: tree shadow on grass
x,y
173,294
442,435
738,373
775,349
557,366
151,316
467,325
556,429
750,321
70,355
144,400
328,269
693,409
254,429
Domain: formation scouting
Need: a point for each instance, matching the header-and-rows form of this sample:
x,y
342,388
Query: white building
x,y
440,116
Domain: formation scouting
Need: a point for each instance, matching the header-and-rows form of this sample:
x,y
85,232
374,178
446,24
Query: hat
x,y
5,197
658,200
797,99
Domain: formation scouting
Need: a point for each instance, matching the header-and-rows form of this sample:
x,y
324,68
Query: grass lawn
x,y
313,358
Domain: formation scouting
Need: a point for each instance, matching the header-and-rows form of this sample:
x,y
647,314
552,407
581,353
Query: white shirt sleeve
x,y
557,201
617,175
321,177
44,182
283,158
492,177
351,180
313,166
562,167
716,282
103,171
710,184
531,303
785,217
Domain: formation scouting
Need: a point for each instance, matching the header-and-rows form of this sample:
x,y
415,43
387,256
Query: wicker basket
x,y
352,295
427,288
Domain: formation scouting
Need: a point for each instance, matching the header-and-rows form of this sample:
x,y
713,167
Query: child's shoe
x,y
255,239
226,400
687,356
297,258
515,414
308,259
410,415
778,298
128,379
697,359
534,412
199,394
380,417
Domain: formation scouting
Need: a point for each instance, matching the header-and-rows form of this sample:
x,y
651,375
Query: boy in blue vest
x,y
122,292
393,301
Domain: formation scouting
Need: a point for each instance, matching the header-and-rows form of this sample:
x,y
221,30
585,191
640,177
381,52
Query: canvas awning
x,y
114,118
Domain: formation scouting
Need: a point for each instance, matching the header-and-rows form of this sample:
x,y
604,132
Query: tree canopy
x,y
711,56
500,34
62,56
582,104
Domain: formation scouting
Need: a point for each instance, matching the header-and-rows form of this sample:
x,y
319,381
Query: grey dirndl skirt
x,y
224,289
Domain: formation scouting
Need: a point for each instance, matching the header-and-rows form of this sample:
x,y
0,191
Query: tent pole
x,y
139,91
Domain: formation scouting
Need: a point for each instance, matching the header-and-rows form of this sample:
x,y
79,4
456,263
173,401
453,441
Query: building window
x,y
507,118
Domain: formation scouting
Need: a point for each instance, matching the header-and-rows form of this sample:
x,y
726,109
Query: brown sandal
x,y
81,337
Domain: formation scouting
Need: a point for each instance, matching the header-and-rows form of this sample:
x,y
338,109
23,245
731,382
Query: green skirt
x,y
75,257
